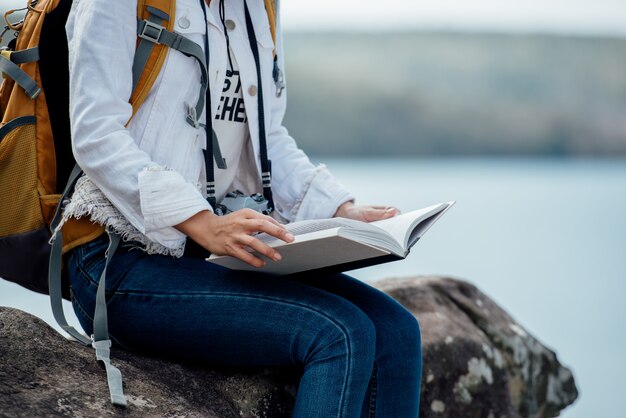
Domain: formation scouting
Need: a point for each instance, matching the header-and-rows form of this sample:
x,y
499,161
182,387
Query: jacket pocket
x,y
190,19
264,38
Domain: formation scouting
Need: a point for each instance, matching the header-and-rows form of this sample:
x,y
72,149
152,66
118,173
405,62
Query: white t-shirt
x,y
231,128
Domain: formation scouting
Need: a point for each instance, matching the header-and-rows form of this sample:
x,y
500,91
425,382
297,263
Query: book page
x,y
400,227
313,225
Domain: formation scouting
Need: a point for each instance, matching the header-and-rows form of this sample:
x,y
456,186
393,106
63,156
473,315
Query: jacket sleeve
x,y
102,37
301,189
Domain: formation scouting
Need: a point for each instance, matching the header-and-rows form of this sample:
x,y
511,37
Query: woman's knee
x,y
344,330
404,336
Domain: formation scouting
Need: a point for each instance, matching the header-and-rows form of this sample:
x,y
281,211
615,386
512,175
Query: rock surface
x,y
478,362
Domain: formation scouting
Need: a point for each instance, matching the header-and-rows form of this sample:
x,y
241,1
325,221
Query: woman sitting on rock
x,y
359,349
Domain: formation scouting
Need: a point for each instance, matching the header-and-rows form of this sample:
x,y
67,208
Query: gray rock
x,y
478,362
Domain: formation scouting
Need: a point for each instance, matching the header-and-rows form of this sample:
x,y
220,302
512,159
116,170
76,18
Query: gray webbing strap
x,y
101,342
100,324
217,152
69,186
114,376
26,55
20,77
152,32
100,339
56,298
54,268
145,47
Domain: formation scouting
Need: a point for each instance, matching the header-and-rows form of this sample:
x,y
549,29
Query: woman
x,y
360,350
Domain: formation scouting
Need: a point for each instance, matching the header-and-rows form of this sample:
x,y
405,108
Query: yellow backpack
x,y
36,160
35,149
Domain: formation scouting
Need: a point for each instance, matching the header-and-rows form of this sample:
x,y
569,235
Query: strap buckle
x,y
266,178
279,79
6,54
151,32
280,86
192,116
210,188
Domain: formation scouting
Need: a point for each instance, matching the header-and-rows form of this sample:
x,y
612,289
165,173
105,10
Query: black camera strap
x,y
266,164
266,170
208,126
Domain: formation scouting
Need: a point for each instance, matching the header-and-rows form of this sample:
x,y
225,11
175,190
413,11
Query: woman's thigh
x,y
190,308
390,318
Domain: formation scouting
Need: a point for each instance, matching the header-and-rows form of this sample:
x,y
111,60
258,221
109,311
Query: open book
x,y
341,244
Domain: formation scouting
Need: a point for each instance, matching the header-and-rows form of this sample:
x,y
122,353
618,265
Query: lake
x,y
543,237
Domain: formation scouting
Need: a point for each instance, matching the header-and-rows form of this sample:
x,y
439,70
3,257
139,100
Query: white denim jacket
x,y
153,170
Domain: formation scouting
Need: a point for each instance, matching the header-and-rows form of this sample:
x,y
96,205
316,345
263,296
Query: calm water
x,y
544,238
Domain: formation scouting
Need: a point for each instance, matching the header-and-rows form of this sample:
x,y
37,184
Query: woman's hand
x,y
366,213
231,234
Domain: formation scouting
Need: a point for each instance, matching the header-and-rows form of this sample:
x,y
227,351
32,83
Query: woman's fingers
x,y
377,213
244,246
251,214
222,235
247,257
261,248
368,213
390,212
275,230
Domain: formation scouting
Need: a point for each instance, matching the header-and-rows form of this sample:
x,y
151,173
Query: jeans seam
x,y
84,271
81,309
84,251
321,313
372,402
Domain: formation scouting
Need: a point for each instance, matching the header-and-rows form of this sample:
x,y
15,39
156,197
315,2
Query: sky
x,y
583,17
598,17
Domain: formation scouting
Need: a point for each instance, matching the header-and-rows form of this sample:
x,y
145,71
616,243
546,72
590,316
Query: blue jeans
x,y
359,348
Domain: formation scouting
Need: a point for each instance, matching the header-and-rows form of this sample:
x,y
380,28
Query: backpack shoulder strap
x,y
150,56
271,6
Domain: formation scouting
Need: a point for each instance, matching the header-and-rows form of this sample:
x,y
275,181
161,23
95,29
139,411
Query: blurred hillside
x,y
456,94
